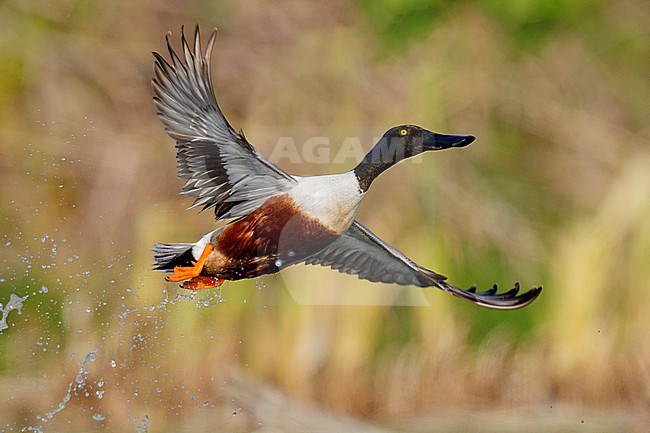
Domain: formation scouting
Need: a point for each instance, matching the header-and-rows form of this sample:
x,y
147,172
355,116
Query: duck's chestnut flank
x,y
273,219
273,236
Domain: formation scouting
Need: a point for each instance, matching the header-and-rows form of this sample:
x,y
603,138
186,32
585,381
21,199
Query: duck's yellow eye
x,y
403,132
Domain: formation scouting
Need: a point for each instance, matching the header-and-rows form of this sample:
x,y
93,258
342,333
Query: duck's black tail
x,y
167,256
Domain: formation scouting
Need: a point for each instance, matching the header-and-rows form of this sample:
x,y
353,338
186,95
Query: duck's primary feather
x,y
223,170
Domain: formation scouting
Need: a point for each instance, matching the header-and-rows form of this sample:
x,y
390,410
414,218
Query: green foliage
x,y
398,23
531,21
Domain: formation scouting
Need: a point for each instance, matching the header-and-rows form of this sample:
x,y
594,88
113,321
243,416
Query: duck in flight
x,y
274,219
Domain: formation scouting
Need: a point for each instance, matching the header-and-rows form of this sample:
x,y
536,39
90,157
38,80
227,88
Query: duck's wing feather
x,y
223,170
360,252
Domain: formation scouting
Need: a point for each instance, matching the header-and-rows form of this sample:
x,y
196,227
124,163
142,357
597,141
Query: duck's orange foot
x,y
202,282
182,273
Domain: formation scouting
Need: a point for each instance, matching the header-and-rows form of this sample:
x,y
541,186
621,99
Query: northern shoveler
x,y
278,220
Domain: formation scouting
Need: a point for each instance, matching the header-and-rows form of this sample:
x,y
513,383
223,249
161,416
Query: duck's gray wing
x,y
360,252
223,170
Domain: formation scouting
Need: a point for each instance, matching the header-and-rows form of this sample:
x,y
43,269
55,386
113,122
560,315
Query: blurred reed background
x,y
556,191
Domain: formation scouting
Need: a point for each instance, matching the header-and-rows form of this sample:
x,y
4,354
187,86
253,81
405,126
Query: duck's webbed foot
x,y
202,282
182,273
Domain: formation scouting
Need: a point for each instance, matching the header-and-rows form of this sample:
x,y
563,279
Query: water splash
x,y
78,384
202,300
144,425
15,303
73,387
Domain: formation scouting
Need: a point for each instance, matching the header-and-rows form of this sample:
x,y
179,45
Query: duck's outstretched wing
x,y
360,252
223,170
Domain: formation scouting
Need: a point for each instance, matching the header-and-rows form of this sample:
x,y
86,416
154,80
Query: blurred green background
x,y
555,191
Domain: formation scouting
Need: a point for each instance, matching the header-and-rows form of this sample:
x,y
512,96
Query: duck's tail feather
x,y
168,256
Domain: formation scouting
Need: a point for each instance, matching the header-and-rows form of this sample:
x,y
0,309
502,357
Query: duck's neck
x,y
384,155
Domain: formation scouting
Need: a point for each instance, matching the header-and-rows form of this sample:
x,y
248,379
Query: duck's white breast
x,y
332,199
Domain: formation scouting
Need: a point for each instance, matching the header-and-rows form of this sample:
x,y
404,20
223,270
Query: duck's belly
x,y
272,237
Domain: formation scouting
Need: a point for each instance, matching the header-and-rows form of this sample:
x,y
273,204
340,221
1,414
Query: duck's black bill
x,y
433,141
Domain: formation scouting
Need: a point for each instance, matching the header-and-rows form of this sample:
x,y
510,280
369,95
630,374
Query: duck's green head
x,y
414,140
401,142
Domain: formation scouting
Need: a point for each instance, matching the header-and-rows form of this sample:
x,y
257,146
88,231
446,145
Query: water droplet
x,y
43,289
15,303
234,413
278,263
89,310
90,357
113,363
98,417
